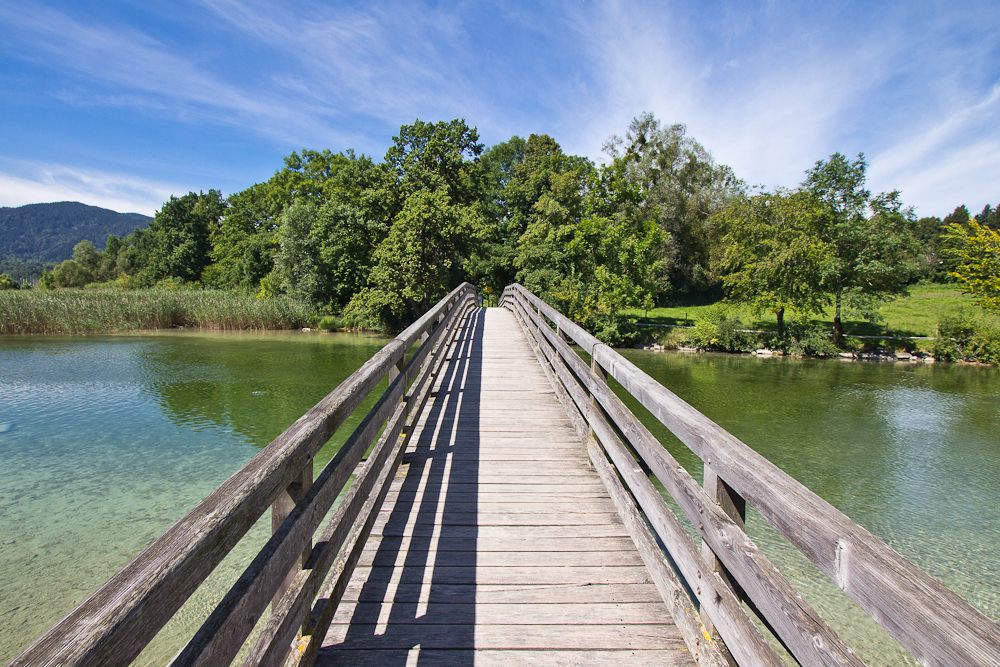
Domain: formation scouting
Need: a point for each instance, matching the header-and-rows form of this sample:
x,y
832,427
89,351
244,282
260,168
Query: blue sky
x,y
121,104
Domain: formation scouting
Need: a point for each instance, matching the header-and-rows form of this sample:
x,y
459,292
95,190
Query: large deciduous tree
x,y
178,242
871,257
430,199
773,257
245,242
682,188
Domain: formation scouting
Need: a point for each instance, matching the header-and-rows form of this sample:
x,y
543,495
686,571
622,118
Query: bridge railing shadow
x,y
421,591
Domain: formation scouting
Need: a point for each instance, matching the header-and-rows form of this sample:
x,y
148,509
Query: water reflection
x,y
113,438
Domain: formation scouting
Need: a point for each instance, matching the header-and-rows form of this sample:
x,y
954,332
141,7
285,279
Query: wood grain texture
x,y
932,622
522,551
798,626
115,623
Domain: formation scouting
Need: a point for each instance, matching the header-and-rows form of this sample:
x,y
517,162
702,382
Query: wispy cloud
x,y
948,162
133,69
30,183
768,87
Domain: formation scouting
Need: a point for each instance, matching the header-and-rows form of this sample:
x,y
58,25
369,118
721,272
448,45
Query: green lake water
x,y
107,440
909,451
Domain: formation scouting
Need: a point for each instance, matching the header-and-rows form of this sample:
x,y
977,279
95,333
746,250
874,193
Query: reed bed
x,y
74,311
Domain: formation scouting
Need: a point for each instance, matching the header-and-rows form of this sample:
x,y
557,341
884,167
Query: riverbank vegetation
x,y
114,310
660,223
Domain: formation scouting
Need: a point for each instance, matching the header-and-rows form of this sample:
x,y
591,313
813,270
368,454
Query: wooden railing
x,y
930,621
302,581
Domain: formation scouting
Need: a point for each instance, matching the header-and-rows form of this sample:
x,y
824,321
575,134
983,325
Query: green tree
x,y
8,283
871,259
493,260
428,156
682,188
546,199
82,270
420,260
774,258
429,197
928,234
108,268
615,257
177,243
976,249
989,217
245,242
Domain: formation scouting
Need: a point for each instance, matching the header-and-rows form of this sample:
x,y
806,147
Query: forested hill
x,y
48,232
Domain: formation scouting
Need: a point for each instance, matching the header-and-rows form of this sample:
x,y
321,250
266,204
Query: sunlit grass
x,y
104,311
915,315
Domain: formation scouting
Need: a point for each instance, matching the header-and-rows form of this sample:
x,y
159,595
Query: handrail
x,y
114,624
930,621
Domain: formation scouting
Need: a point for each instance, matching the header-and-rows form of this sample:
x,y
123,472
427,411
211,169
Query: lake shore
x,y
74,311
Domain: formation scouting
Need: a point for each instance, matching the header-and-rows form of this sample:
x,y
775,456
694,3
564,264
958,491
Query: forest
x,y
377,243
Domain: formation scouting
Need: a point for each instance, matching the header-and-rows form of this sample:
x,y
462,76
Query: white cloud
x,y
143,73
953,161
37,183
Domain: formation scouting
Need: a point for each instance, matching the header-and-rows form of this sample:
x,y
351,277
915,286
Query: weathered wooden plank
x,y
590,637
502,658
516,544
491,532
579,593
452,504
443,557
560,495
477,613
511,575
122,616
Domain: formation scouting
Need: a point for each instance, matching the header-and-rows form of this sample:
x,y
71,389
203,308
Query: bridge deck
x,y
498,543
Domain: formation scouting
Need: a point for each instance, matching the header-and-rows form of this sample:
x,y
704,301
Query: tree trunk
x,y
781,322
838,326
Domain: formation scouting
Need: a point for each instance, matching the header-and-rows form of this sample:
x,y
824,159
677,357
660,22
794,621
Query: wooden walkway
x,y
498,543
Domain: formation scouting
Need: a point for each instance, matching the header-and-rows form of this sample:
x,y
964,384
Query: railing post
x,y
603,375
394,371
282,507
735,506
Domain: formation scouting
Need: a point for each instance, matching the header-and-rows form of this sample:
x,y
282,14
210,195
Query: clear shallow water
x,y
909,451
106,441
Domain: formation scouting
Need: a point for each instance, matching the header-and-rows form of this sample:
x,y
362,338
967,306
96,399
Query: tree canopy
x,y
976,250
660,220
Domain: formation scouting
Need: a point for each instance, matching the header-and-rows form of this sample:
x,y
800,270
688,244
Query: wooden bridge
x,y
506,513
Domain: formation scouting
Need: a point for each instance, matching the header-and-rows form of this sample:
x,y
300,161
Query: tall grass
x,y
105,311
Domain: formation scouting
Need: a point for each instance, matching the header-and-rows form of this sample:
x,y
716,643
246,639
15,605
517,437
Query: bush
x,y
966,338
674,338
719,329
8,283
806,339
615,330
331,323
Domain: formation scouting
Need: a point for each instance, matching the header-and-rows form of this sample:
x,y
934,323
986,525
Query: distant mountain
x,y
48,232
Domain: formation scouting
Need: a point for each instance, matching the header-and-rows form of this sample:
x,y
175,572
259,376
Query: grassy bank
x,y
916,315
112,310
